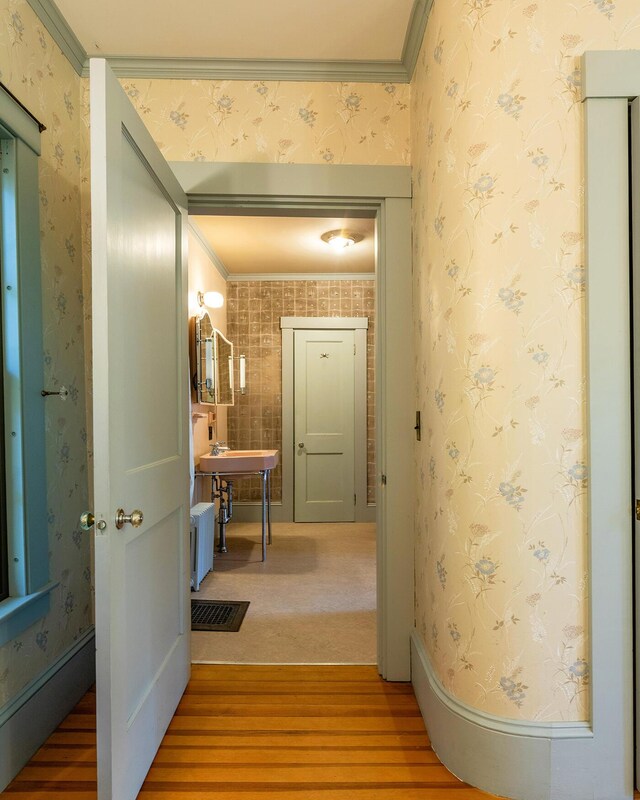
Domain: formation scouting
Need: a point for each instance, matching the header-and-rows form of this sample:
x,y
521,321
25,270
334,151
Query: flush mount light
x,y
341,239
210,299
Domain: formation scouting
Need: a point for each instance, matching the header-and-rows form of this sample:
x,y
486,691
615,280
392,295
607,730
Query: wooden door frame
x,y
359,325
385,194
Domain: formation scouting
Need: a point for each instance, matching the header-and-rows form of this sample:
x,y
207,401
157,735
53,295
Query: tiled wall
x,y
253,324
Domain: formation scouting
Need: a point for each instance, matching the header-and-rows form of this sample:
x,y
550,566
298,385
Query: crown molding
x,y
217,262
243,277
243,69
49,15
415,35
238,69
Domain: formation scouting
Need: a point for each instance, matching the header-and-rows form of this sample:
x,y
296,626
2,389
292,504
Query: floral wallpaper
x,y
35,70
275,121
499,290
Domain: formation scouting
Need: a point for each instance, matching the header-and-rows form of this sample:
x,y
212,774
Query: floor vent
x,y
218,615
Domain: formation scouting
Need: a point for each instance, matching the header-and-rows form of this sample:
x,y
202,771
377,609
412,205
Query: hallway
x,y
273,732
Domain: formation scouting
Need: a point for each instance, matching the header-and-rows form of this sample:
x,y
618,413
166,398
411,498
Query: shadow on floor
x,y
294,555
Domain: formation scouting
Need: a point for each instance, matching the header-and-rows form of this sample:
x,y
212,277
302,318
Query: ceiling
x,y
356,40
275,245
286,29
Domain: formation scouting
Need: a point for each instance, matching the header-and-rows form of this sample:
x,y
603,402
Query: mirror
x,y
213,379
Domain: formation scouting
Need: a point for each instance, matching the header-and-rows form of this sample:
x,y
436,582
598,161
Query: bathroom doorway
x,y
314,599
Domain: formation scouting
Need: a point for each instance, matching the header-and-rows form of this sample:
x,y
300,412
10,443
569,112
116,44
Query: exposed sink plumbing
x,y
219,447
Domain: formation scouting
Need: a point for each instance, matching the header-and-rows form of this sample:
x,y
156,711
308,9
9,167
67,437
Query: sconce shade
x,y
210,299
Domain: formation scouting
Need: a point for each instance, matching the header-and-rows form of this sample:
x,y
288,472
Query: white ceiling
x,y
241,29
253,245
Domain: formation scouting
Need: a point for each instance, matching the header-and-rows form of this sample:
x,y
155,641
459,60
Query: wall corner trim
x,y
415,34
59,30
511,758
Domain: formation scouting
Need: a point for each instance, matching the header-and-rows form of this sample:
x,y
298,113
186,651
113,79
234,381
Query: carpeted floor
x,y
312,601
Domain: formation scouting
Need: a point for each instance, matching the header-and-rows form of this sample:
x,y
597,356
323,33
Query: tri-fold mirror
x,y
213,377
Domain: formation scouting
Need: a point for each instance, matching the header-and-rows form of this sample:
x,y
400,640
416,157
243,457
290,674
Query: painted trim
x,y
238,69
306,188
215,259
524,760
19,613
61,33
27,721
610,73
212,185
609,414
513,727
256,69
415,34
17,122
302,276
325,323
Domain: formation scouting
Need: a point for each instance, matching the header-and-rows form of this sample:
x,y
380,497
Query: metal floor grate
x,y
218,615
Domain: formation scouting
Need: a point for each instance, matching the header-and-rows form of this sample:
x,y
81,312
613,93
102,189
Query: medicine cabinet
x,y
213,352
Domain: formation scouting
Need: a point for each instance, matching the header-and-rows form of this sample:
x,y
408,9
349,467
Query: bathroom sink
x,y
239,461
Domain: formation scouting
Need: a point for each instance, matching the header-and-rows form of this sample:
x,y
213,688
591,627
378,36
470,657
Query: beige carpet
x,y
312,601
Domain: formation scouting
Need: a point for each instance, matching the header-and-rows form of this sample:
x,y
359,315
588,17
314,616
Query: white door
x,y
324,430
140,392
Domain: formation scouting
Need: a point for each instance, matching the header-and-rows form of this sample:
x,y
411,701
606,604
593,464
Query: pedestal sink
x,y
239,461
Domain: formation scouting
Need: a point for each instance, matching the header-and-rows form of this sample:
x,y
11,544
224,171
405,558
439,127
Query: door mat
x,y
218,615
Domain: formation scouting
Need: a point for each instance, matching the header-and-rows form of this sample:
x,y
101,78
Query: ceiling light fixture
x,y
341,239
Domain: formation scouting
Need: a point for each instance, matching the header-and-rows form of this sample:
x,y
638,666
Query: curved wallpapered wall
x,y
275,121
35,70
499,305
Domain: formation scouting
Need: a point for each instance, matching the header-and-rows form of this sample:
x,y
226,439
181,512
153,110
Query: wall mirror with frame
x,y
213,356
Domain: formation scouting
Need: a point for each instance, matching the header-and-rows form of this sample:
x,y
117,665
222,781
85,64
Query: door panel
x,y
324,409
140,438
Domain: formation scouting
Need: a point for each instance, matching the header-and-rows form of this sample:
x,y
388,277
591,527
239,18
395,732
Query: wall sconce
x,y
210,299
340,240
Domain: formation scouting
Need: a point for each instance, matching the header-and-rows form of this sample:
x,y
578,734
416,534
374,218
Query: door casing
x,y
383,193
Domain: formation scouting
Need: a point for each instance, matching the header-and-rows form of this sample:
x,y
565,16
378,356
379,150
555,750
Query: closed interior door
x,y
141,446
324,415
635,237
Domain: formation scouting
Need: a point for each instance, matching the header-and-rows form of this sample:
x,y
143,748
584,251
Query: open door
x,y
141,472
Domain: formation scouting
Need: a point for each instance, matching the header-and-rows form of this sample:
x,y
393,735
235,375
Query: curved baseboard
x,y
511,758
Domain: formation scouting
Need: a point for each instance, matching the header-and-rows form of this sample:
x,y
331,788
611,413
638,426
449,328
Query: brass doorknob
x,y
87,520
135,518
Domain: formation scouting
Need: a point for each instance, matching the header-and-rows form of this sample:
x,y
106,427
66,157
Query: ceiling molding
x,y
415,35
243,69
238,69
217,262
63,36
302,276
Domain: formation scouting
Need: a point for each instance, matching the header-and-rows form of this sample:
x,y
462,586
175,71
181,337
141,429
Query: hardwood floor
x,y
267,732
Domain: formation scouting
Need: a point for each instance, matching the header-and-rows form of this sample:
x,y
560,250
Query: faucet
x,y
219,447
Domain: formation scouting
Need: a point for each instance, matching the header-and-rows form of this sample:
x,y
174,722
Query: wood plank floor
x,y
267,732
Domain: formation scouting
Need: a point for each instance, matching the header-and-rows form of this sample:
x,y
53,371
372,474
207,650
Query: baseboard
x,y
252,512
31,717
511,758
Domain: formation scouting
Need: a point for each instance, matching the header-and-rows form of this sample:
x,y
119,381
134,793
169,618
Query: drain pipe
x,y
225,512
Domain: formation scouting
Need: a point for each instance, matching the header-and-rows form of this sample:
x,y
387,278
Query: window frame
x,y
22,363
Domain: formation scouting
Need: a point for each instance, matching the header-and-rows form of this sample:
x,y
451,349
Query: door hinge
x,y
354,349
638,509
354,500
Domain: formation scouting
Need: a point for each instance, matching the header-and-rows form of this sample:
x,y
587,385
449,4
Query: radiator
x,y
202,528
